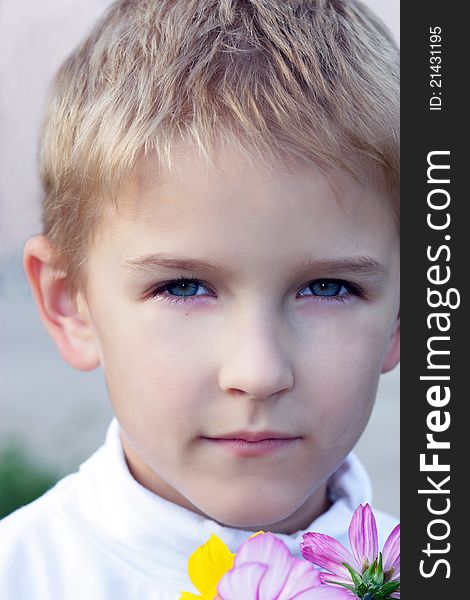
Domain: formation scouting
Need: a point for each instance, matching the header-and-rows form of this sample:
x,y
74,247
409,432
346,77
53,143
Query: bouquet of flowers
x,y
264,568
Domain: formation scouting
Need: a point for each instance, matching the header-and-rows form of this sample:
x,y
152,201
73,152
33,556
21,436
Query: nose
x,y
256,360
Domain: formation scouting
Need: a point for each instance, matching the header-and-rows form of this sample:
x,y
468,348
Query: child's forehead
x,y
233,210
231,171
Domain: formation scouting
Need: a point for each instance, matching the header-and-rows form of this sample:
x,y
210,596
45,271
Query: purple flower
x,y
366,572
264,569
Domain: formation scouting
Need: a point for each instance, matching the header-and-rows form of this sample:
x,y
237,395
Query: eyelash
x,y
352,289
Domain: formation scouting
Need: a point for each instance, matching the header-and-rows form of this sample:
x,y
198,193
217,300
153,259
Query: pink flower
x,y
366,572
264,569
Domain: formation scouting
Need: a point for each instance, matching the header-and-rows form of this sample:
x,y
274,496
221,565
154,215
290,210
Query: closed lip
x,y
254,436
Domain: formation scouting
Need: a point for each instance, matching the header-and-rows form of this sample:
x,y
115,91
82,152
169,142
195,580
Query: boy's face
x,y
287,332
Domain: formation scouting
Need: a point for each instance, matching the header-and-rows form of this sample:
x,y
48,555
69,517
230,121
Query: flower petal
x,y
363,536
391,554
208,564
242,582
268,550
326,552
325,593
329,579
303,576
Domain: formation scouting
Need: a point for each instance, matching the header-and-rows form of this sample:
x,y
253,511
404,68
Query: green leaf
x,y
357,579
379,563
345,585
390,587
368,576
379,572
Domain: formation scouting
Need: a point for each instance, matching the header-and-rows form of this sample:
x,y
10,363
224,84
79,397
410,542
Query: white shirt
x,y
100,535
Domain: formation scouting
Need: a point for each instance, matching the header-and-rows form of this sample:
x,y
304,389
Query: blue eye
x,y
186,289
332,290
325,287
182,289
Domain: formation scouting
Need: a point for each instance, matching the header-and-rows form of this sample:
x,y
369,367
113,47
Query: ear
x,y
392,356
63,316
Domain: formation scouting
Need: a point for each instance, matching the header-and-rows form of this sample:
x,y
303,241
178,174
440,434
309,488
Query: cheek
x,y
149,371
341,370
351,343
141,340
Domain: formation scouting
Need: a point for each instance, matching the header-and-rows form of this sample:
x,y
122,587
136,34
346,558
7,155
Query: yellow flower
x,y
206,567
257,533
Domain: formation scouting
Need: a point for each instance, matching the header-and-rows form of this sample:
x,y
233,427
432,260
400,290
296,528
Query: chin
x,y
252,513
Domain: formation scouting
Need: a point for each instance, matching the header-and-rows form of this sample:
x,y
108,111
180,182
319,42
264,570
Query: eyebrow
x,y
361,265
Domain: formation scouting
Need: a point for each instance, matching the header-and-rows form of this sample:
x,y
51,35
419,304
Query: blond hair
x,y
314,80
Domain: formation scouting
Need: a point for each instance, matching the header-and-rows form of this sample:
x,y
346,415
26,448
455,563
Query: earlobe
x,y
66,324
392,357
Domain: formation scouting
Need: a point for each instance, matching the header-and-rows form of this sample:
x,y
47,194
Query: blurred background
x,y
51,416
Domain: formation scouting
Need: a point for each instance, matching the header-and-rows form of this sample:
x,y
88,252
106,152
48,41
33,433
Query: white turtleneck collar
x,y
155,537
